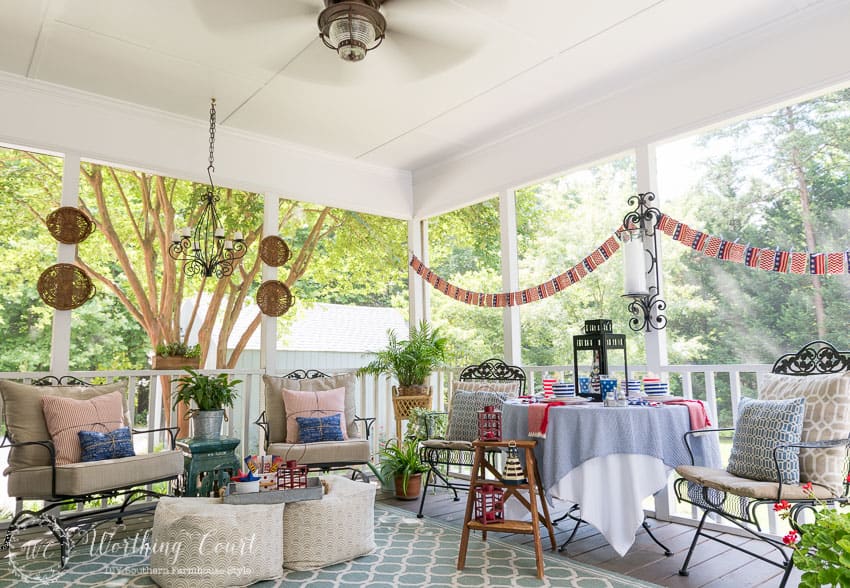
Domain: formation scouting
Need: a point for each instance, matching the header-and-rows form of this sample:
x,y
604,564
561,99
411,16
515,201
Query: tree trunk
x,y
806,217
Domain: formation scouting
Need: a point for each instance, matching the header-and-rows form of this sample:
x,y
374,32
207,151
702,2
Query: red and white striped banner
x,y
771,260
548,288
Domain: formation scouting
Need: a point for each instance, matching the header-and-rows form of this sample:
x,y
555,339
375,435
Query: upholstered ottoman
x,y
202,542
339,527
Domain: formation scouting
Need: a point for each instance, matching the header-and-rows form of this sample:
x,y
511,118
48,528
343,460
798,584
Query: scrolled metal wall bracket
x,y
647,308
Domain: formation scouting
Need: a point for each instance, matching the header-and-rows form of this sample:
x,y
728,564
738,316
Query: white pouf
x,y
337,528
202,542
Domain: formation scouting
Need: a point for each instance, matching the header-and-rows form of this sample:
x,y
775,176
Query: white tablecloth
x,y
608,460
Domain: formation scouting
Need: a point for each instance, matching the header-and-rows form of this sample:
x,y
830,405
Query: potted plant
x,y
401,465
412,361
175,356
821,547
211,395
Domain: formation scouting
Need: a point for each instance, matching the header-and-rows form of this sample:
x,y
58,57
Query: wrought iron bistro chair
x,y
483,384
34,474
819,373
323,456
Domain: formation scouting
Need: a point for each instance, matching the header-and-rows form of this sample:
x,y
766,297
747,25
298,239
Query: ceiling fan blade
x,y
226,15
426,54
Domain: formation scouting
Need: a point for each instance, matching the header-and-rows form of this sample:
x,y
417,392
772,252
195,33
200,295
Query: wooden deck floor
x,y
713,565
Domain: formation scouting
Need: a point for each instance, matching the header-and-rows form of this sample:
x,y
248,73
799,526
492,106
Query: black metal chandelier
x,y
352,27
205,250
646,306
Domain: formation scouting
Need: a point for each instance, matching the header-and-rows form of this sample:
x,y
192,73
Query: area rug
x,y
410,552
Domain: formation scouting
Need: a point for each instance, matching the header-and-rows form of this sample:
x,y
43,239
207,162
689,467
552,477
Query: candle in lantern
x,y
187,232
175,237
237,236
219,233
228,244
635,270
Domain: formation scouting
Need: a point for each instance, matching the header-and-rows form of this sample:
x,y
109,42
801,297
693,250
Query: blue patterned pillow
x,y
762,425
96,446
463,417
313,429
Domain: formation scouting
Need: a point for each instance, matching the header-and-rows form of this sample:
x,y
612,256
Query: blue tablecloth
x,y
578,433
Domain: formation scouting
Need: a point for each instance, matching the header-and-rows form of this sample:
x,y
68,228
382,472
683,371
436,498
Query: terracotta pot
x,y
414,485
175,362
419,390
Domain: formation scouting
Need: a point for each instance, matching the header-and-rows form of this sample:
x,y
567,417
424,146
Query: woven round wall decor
x,y
64,286
274,251
69,225
274,298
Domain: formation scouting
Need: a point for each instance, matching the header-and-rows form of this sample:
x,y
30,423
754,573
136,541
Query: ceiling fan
x,y
418,38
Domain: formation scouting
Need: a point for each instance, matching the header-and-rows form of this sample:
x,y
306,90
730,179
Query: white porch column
x,y
419,292
268,324
510,275
647,181
60,344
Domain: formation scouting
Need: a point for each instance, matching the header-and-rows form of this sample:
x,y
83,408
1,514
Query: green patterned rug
x,y
410,552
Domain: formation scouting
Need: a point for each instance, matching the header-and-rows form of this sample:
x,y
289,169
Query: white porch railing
x,y
716,385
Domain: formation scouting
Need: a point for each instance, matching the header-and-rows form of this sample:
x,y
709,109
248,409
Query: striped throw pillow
x,y
65,417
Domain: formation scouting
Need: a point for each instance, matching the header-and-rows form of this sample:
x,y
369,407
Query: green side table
x,y
204,458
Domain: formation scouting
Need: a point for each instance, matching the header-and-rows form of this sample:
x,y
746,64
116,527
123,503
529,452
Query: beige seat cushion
x,y
446,444
337,528
351,451
826,416
78,479
726,482
25,420
276,414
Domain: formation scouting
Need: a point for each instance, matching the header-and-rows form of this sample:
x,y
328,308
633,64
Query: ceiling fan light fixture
x,y
352,27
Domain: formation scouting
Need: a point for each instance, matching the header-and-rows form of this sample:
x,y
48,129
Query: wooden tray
x,y
313,491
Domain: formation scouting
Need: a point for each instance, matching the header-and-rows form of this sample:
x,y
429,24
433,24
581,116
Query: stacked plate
x,y
654,387
632,388
563,389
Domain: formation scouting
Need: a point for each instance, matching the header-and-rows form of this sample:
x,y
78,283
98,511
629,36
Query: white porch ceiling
x,y
457,75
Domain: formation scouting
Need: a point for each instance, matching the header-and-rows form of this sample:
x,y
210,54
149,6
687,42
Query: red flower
x,y
791,538
780,506
848,479
807,487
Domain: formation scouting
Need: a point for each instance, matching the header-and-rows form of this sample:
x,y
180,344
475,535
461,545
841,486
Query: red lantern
x,y
291,475
490,424
489,504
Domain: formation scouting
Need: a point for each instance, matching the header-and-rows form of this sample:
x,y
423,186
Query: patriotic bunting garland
x,y
795,262
771,260
548,288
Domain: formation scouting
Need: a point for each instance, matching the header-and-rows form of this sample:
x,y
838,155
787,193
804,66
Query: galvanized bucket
x,y
206,424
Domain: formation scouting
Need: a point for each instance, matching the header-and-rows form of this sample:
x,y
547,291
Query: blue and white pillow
x,y
314,429
95,446
762,426
463,417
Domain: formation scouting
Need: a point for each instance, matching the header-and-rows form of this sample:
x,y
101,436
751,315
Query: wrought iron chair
x,y
34,475
737,499
322,456
493,375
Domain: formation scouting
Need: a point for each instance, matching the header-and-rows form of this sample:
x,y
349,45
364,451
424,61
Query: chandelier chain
x,y
212,134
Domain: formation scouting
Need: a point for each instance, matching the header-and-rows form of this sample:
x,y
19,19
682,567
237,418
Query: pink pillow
x,y
312,403
65,417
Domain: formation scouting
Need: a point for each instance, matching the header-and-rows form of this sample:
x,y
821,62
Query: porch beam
x,y
268,324
419,295
510,276
647,181
60,343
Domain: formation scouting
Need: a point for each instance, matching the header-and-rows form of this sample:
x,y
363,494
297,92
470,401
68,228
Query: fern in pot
x,y
211,395
410,361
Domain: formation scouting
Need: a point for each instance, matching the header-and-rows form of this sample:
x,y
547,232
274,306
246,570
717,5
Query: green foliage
x,y
823,553
422,420
207,392
410,361
178,349
400,461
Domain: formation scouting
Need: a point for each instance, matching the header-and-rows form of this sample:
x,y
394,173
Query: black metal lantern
x,y
598,338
